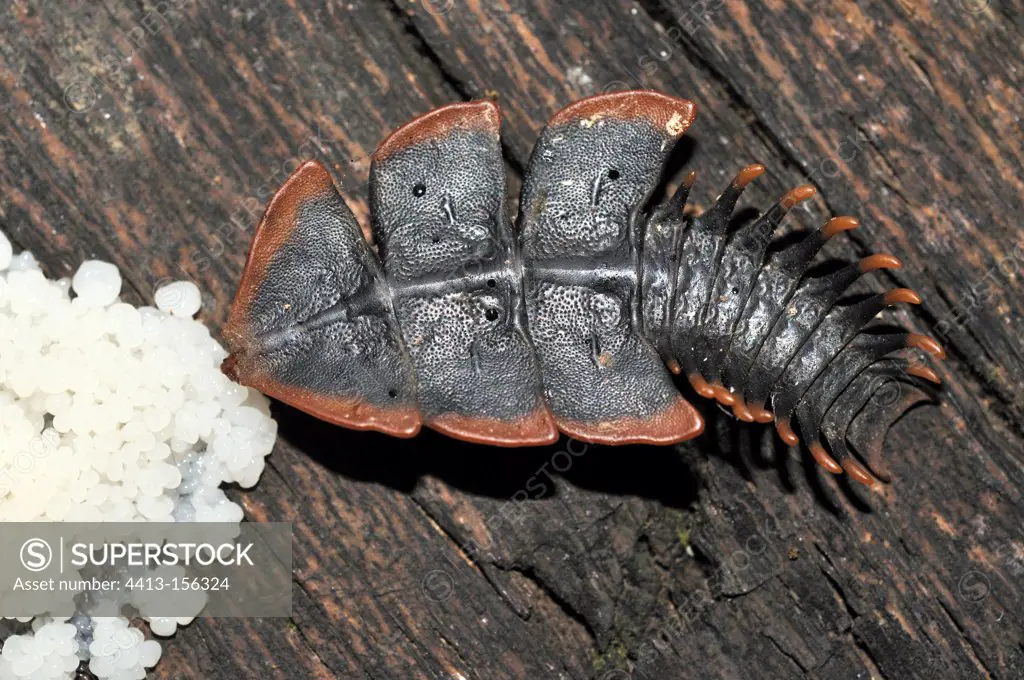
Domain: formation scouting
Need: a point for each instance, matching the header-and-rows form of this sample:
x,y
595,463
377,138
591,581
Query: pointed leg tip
x,y
798,195
859,473
839,224
923,342
822,458
723,395
786,433
701,386
879,261
740,410
748,175
902,295
925,372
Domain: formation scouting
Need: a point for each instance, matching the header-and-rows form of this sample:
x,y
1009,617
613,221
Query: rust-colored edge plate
x,y
678,423
309,182
482,114
671,114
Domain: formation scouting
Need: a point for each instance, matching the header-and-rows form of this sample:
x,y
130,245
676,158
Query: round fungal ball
x,y
97,284
180,298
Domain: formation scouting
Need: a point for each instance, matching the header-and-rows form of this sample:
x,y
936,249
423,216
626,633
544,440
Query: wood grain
x,y
152,134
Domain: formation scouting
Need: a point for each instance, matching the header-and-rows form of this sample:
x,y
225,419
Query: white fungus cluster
x,y
52,652
110,412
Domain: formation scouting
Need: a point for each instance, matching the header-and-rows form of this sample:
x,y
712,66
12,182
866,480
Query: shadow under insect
x,y
654,472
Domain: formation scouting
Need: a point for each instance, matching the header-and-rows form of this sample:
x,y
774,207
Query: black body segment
x,y
882,381
771,290
437,200
744,256
659,267
437,196
864,350
823,346
312,323
794,330
593,169
698,257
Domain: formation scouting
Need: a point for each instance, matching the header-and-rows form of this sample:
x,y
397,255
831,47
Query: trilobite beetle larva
x,y
573,320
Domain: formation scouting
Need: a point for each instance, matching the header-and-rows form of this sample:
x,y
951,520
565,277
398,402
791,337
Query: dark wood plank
x,y
832,98
153,137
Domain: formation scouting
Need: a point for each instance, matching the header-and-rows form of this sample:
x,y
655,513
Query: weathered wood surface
x,y
152,133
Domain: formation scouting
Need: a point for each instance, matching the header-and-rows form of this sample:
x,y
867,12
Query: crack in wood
x,y
775,643
965,640
423,47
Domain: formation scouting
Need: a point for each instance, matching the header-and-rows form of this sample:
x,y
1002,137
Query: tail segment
x,y
757,334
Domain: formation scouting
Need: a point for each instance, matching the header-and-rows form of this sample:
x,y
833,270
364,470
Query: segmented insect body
x,y
574,320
